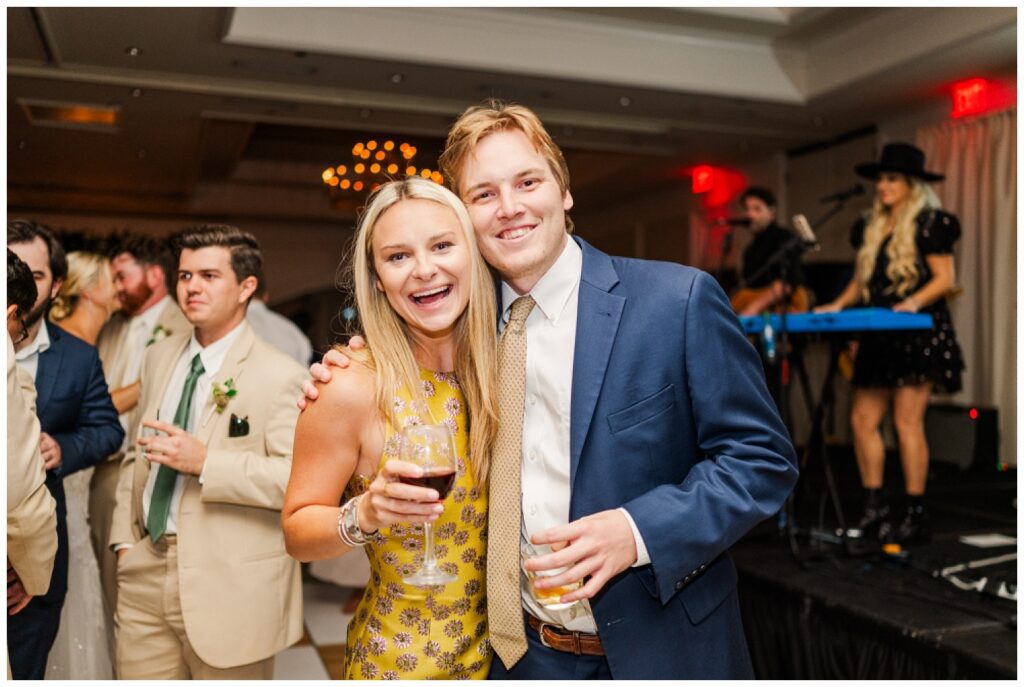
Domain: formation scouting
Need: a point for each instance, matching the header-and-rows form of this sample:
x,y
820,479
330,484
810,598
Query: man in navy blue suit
x,y
646,442
79,429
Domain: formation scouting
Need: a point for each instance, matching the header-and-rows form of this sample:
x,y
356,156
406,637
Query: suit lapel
x,y
597,322
231,369
48,369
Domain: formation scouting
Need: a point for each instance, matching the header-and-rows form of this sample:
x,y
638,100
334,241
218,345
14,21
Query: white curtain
x,y
979,158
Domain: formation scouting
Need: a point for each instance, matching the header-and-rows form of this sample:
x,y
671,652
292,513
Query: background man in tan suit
x,y
207,590
31,510
142,268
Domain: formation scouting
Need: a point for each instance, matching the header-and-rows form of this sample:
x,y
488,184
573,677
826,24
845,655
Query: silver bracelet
x,y
348,524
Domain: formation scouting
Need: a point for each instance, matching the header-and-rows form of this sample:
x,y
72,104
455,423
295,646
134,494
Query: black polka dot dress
x,y
896,359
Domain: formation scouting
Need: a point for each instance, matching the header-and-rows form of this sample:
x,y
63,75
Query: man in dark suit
x,y
642,442
79,428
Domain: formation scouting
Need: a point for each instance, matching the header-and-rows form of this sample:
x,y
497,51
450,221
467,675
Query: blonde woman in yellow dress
x,y
426,302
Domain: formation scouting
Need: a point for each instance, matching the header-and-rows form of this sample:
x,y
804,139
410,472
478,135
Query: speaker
x,y
963,436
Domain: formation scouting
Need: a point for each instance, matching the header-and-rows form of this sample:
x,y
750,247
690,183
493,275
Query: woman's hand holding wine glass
x,y
390,500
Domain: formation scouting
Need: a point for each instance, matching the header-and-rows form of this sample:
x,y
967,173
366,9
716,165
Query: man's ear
x,y
11,310
248,285
55,289
155,276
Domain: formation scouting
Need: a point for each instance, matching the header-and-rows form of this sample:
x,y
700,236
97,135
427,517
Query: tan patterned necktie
x,y
504,598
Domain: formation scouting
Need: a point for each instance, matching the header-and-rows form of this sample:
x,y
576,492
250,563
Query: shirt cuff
x,y
118,547
642,557
202,473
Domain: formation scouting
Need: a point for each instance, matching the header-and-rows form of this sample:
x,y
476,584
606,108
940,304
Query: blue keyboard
x,y
852,320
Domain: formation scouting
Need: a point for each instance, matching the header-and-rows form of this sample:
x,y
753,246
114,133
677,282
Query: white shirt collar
x,y
554,289
214,354
148,318
38,345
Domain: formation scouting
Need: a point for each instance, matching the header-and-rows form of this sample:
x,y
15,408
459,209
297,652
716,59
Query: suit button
x,y
679,585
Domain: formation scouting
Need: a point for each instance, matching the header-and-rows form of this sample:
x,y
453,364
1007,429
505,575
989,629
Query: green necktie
x,y
160,503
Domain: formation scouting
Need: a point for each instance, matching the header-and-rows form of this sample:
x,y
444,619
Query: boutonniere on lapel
x,y
223,394
160,333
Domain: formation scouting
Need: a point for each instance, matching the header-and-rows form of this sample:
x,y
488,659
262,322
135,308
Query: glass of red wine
x,y
432,447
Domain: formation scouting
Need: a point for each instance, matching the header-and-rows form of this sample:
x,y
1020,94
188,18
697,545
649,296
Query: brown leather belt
x,y
553,637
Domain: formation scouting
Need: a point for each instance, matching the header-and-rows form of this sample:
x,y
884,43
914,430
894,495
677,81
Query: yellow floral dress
x,y
418,633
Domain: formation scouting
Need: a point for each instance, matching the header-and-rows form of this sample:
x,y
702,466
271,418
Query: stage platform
x,y
836,616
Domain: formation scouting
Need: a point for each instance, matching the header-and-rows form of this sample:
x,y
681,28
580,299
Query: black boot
x,y
909,527
876,509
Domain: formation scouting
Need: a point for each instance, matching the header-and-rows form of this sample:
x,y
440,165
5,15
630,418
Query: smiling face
x,y
421,259
517,207
892,188
134,283
210,294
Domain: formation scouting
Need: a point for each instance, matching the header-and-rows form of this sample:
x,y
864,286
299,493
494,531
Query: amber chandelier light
x,y
374,164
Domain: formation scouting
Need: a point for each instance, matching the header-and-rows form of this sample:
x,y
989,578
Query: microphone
x,y
847,193
727,243
733,221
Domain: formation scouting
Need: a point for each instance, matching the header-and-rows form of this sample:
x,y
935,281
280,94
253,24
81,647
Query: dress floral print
x,y
417,633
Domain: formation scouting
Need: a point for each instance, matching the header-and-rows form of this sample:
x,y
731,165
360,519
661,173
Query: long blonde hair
x,y
389,340
84,270
902,269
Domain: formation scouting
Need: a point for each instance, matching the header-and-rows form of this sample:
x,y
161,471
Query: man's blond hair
x,y
494,116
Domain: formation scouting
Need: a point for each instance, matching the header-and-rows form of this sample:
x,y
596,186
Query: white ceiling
x,y
234,112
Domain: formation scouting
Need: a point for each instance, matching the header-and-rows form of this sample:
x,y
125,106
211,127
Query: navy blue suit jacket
x,y
672,420
74,407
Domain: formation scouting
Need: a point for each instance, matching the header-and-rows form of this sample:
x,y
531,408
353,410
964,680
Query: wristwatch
x,y
348,524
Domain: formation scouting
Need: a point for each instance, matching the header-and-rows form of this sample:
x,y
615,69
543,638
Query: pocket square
x,y
238,426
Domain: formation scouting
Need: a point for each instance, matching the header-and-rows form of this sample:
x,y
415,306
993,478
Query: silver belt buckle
x,y
540,633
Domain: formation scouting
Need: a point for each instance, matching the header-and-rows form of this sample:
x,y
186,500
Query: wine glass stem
x,y
429,562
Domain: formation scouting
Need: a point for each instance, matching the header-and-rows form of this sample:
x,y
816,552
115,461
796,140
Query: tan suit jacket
x,y
241,594
111,346
31,511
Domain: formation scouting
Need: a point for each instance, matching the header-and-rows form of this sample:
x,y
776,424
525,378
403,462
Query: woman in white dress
x,y
84,646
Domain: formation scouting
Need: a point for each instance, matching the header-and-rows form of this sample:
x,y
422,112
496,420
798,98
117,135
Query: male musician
x,y
763,287
142,267
644,437
205,587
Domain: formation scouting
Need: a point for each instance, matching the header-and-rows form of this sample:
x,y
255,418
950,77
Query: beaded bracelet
x,y
348,525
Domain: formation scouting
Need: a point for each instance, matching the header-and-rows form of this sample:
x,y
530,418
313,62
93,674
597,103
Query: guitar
x,y
799,300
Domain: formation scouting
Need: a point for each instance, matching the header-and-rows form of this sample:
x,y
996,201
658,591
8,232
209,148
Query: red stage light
x,y
973,413
972,96
703,178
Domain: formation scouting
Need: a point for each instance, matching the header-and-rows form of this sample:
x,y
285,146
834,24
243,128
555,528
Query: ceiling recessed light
x,y
71,115
397,78
136,92
365,113
133,51
625,101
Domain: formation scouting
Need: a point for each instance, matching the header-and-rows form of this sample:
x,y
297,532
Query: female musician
x,y
904,262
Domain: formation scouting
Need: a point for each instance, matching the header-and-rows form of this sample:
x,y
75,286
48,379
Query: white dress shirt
x,y
28,357
140,332
213,358
547,414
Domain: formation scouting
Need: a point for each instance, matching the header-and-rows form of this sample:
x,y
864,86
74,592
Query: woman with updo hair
x,y
86,299
84,644
904,262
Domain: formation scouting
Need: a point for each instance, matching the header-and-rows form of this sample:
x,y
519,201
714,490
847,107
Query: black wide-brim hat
x,y
899,157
